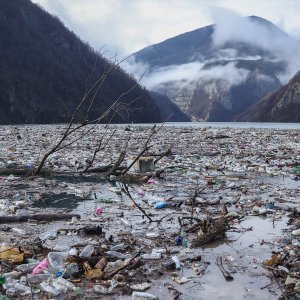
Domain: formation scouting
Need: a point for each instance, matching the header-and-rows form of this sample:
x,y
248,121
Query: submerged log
x,y
48,218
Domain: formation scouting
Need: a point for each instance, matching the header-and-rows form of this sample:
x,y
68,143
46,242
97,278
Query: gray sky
x,y
129,25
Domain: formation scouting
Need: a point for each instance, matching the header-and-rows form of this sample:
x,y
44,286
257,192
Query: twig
x,y
129,195
109,275
225,273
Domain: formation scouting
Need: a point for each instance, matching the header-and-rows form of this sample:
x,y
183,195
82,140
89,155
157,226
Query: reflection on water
x,y
62,200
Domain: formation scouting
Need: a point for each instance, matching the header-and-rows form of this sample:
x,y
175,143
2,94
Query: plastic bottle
x,y
118,247
2,280
87,251
117,254
111,266
170,264
177,261
154,255
142,296
20,288
63,282
34,279
100,289
160,205
173,263
296,232
49,289
179,240
57,260
60,288
70,270
12,274
160,250
23,280
27,267
101,264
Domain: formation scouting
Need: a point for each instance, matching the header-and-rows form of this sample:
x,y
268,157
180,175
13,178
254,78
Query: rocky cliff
x,y
281,106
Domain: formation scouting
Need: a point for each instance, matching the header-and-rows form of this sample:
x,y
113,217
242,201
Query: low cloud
x,y
186,74
232,27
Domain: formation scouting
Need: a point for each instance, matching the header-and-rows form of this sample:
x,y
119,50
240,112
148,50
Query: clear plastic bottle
x,y
87,251
60,288
118,247
142,296
70,270
19,287
57,260
38,278
153,255
27,267
117,254
49,289
12,274
111,266
63,282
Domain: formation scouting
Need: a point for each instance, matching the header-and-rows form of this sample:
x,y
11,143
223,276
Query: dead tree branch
x,y
88,96
126,190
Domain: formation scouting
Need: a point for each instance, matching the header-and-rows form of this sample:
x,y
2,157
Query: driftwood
x,y
212,231
225,273
24,171
118,162
47,218
101,169
21,170
136,178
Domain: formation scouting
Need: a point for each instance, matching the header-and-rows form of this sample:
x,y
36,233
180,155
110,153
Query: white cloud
x,y
132,25
185,74
231,26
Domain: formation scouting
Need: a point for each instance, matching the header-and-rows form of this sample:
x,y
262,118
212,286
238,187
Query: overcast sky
x,y
129,25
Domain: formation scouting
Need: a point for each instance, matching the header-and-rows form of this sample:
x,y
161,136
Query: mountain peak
x,y
216,72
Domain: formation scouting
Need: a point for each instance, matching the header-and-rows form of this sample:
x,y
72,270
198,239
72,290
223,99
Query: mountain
x,y
216,72
45,69
281,106
169,111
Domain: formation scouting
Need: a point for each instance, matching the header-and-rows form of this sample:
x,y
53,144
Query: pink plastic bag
x,y
153,181
41,267
99,210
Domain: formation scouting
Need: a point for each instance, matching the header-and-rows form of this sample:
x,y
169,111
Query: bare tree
x,y
70,135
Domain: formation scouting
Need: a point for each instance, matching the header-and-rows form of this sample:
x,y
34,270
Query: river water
x,y
230,125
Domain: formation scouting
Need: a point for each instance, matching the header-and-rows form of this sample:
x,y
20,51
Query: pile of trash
x,y
202,207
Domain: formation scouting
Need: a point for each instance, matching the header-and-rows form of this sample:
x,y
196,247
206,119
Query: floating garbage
x,y
224,189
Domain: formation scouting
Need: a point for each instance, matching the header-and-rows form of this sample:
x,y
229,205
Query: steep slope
x,y
169,111
216,72
45,68
281,106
